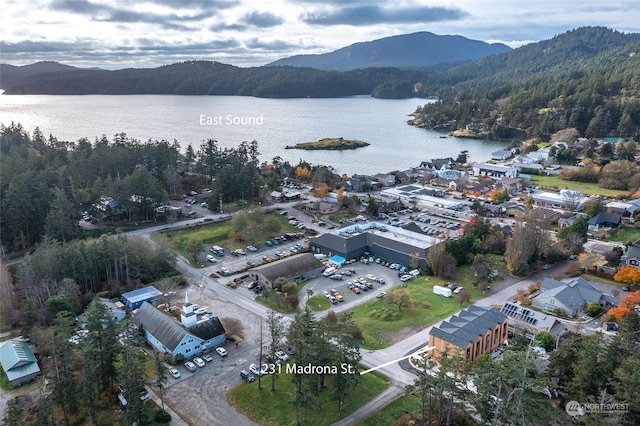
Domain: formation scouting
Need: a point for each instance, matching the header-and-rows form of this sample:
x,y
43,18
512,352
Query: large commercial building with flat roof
x,y
390,243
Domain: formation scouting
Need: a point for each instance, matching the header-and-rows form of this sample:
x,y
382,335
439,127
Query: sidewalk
x,y
176,420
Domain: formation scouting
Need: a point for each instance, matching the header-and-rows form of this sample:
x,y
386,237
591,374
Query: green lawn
x,y
624,234
553,182
318,303
275,408
381,322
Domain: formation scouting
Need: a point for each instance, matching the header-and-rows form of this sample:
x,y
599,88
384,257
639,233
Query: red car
x,y
333,291
356,290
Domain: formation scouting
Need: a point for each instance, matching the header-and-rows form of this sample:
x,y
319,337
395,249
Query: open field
x,y
218,233
554,183
383,324
275,408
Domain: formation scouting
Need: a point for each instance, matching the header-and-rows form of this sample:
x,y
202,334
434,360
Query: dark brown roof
x,y
289,267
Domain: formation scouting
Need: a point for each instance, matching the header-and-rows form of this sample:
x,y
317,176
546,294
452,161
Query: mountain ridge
x,y
420,49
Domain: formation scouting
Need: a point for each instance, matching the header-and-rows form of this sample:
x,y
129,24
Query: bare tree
x,y
233,326
399,297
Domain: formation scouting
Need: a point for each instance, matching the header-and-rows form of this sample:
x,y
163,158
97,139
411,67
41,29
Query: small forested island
x,y
330,144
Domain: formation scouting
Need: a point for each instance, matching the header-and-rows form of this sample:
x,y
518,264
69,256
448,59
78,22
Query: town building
x,y
390,243
296,268
570,297
188,338
470,333
565,199
135,298
18,361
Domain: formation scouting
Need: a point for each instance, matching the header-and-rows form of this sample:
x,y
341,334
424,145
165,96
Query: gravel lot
x,y
200,397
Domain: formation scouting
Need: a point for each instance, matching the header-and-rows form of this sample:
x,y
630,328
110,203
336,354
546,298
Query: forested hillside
x,y
422,49
586,79
204,78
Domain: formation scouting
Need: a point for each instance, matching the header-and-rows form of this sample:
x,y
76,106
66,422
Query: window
x,y
496,335
487,342
468,353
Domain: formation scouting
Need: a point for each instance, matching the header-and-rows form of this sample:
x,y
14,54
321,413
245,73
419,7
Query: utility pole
x,y
221,212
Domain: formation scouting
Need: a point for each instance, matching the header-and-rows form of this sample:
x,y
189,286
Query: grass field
x,y
625,235
218,234
318,303
382,323
275,408
553,182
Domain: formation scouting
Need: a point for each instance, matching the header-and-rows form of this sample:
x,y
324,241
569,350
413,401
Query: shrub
x,y
594,309
162,417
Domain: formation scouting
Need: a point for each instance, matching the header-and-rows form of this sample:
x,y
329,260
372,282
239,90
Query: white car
x,y
207,357
199,362
255,370
225,271
174,373
211,259
371,277
326,294
221,351
405,278
241,252
252,248
282,356
380,294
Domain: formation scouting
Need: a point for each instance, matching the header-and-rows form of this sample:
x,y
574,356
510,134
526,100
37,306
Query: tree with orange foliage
x,y
302,173
321,191
627,275
627,304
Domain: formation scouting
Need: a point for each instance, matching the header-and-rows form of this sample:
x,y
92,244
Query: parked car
x,y
174,373
339,298
268,243
221,351
199,362
207,357
211,259
282,356
333,300
144,394
252,285
190,366
225,271
252,248
255,370
241,252
333,291
337,277
380,294
248,377
356,290
405,278
326,294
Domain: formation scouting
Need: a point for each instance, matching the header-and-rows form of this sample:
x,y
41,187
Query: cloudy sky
x,y
124,33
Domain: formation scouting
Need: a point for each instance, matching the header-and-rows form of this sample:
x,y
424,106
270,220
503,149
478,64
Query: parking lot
x,y
200,396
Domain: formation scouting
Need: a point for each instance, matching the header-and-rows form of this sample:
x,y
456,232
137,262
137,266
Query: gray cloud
x,y
275,45
262,20
104,13
367,15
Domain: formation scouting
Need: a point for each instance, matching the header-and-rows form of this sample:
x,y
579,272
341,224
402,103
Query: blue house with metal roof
x,y
135,298
18,362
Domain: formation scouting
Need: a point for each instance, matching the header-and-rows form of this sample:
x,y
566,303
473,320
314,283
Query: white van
x,y
329,271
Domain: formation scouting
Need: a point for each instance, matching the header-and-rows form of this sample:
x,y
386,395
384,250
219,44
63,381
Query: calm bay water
x,y
274,123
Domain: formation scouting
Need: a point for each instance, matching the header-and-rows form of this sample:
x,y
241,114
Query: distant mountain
x,y
423,49
13,75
